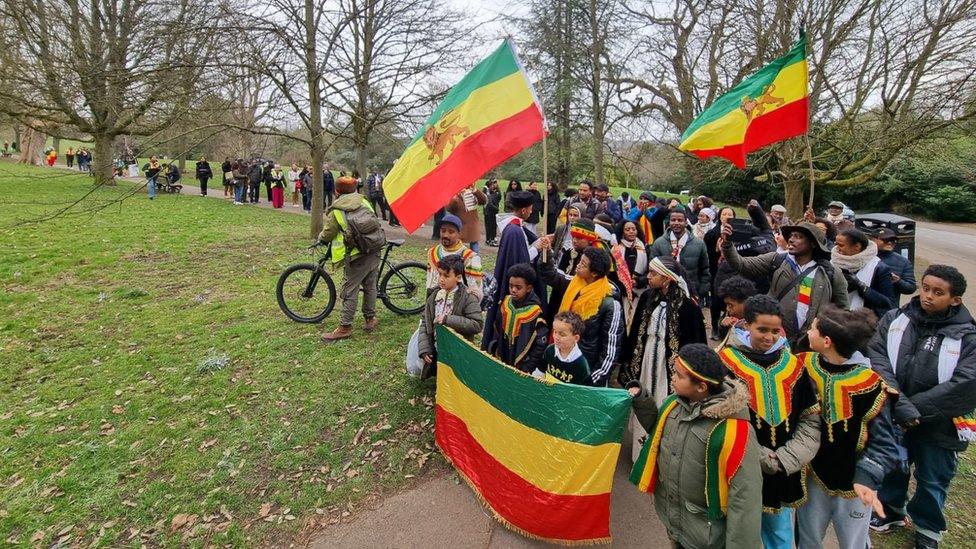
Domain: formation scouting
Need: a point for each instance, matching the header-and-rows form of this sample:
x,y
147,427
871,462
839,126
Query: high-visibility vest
x,y
339,247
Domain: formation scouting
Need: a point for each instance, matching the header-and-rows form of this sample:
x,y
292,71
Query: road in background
x,y
951,244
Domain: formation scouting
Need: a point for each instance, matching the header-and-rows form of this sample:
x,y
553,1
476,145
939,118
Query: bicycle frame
x,y
327,255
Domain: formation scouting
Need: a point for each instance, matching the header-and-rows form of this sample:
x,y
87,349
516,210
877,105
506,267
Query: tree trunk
x,y
596,107
31,146
57,146
794,197
315,123
102,161
361,160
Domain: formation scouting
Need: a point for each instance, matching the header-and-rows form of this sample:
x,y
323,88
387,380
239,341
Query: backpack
x,y
364,229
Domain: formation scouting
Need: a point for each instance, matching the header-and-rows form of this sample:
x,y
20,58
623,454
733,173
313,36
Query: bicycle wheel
x,y
404,288
306,293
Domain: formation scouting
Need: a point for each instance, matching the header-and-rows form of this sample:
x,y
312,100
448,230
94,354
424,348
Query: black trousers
x,y
254,190
491,226
379,205
203,185
267,185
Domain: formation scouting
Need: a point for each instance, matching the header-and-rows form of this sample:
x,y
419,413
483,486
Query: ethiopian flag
x,y
767,107
488,117
541,455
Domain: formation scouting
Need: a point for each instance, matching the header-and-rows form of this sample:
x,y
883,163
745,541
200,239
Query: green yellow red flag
x,y
541,455
489,116
767,107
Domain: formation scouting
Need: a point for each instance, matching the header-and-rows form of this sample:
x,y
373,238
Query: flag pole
x,y
806,138
545,192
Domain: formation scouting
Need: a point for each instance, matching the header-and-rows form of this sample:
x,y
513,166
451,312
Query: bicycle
x,y
401,286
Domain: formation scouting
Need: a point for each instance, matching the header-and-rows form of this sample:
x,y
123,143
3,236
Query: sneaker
x,y
238,203
924,542
893,520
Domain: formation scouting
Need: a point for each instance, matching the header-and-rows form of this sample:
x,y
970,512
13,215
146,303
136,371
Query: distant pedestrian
x,y
277,187
228,177
69,156
52,157
152,169
492,206
254,182
266,177
294,182
204,174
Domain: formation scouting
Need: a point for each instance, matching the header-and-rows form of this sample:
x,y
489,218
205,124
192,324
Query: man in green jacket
x,y
361,267
802,280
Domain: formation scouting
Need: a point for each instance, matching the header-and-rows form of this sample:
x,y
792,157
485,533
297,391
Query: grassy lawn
x,y
113,430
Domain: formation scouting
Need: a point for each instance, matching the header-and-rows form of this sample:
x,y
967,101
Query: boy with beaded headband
x,y
700,459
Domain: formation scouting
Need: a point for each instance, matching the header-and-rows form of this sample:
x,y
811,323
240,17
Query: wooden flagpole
x,y
545,191
806,137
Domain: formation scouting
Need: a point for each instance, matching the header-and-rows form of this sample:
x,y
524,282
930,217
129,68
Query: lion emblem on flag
x,y
754,107
445,133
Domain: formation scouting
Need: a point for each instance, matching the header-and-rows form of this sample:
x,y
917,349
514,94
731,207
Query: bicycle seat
x,y
395,243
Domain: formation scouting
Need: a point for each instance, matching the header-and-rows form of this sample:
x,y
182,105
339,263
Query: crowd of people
x,y
829,394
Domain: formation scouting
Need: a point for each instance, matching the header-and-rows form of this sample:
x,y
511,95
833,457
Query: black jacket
x,y
603,332
254,173
880,295
204,171
915,375
266,173
901,266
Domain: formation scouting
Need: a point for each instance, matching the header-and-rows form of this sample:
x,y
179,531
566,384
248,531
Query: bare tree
x,y
106,67
884,74
290,45
386,59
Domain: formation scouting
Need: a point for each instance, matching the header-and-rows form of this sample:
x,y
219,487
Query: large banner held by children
x,y
541,455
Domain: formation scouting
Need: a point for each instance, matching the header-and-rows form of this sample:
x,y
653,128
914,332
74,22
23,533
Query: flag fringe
x,y
512,527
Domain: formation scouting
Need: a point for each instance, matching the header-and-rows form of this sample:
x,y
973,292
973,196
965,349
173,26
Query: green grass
x,y
109,428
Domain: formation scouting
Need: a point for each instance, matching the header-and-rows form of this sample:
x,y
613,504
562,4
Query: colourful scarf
x,y
623,271
585,298
439,252
725,450
770,389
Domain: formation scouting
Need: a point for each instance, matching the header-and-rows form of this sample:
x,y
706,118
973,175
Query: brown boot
x,y
342,332
372,324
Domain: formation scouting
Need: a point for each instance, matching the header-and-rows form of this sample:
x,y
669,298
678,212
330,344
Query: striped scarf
x,y
726,447
803,298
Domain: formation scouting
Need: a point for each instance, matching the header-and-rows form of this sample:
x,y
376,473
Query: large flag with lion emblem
x,y
767,107
488,117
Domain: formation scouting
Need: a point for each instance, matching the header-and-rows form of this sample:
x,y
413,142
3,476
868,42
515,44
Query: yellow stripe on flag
x,y
723,463
485,107
568,468
791,85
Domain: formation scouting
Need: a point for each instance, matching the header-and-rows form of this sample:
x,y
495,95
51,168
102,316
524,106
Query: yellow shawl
x,y
585,299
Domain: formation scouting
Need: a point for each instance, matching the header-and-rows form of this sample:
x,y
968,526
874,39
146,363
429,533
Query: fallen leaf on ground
x,y
38,536
118,409
265,510
207,444
181,520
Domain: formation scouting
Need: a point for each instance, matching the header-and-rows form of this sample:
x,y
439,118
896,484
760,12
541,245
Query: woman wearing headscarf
x,y
666,318
706,222
631,249
868,278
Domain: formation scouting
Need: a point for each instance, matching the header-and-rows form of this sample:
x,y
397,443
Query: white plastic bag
x,y
415,364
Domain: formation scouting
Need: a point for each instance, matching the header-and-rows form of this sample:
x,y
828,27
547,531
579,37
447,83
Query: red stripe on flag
x,y
470,160
788,121
520,503
783,123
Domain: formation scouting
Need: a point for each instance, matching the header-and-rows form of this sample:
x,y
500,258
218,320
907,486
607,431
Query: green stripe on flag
x,y
562,410
752,86
496,66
